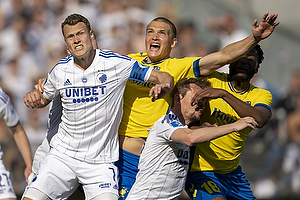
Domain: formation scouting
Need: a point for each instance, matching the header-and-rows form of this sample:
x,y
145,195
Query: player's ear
x,y
174,42
68,51
177,98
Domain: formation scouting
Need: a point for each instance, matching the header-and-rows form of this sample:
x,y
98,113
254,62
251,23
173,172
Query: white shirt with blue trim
x,y
163,163
92,102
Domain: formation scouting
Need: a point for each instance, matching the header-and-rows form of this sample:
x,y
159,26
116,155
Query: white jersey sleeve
x,y
7,111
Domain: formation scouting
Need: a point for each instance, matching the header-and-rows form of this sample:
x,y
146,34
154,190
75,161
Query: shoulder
x,y
62,63
219,78
107,54
257,90
138,56
186,61
216,74
172,120
4,98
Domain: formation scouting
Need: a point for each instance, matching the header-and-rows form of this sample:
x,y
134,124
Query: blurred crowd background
x,y
31,43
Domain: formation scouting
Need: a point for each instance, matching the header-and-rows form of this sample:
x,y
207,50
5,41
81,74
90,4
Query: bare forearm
x,y
163,84
208,133
22,144
243,109
227,55
163,78
234,51
199,135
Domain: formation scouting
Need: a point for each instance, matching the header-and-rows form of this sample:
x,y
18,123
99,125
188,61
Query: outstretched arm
x,y
23,146
261,114
164,83
193,137
234,51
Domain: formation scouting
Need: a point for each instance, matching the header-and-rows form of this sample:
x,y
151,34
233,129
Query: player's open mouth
x,y
154,46
78,47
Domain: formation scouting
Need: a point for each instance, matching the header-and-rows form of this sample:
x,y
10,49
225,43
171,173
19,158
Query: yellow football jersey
x,y
222,155
139,112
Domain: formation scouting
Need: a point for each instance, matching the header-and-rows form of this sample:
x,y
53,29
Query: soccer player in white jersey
x,y
55,113
91,85
9,115
164,159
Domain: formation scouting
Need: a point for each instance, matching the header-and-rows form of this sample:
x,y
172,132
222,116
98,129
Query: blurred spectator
x,y
291,158
168,9
188,44
139,17
16,84
227,30
36,35
288,100
9,10
10,38
86,8
112,27
35,127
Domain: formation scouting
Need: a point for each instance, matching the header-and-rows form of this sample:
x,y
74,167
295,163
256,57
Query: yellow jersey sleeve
x,y
139,112
222,155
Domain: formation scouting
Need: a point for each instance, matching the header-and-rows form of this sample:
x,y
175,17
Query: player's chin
x,y
197,115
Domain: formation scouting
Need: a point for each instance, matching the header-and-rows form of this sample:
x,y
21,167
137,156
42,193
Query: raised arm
x,y
261,114
164,83
234,51
193,137
23,146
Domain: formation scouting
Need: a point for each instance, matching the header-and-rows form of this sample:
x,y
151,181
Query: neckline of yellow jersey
x,y
153,63
234,90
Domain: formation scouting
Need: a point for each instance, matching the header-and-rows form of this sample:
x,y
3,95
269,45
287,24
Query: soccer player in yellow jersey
x,y
215,171
140,113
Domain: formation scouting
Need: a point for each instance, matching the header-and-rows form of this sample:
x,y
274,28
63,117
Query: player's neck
x,y
240,86
84,61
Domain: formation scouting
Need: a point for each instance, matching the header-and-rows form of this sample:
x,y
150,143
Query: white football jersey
x,y
7,113
92,102
163,163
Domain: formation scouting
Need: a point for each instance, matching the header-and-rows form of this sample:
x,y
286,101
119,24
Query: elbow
x,y
171,81
261,125
262,122
193,141
262,119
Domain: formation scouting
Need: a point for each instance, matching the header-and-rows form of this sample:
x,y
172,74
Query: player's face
x,y
77,39
191,113
244,68
159,41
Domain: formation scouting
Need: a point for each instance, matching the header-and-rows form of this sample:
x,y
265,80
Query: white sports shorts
x,y
40,153
6,187
60,175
